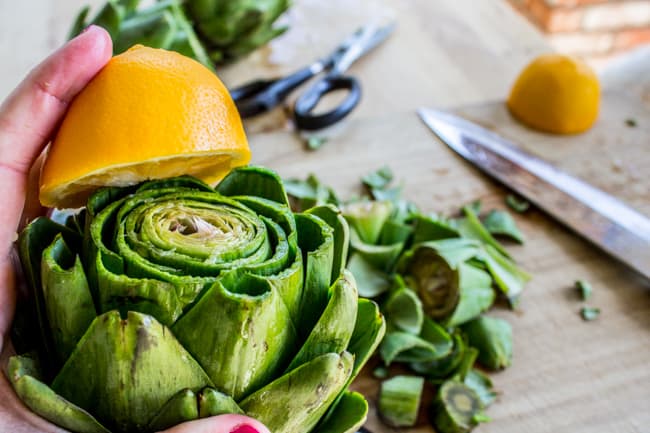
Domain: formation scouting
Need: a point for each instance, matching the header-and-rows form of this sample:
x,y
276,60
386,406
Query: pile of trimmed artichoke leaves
x,y
171,301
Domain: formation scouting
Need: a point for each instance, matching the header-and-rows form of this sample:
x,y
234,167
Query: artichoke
x,y
209,31
171,300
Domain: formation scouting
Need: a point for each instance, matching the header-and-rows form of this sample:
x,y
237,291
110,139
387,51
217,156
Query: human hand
x,y
28,119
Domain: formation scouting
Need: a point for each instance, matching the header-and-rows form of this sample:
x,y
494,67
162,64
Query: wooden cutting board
x,y
567,375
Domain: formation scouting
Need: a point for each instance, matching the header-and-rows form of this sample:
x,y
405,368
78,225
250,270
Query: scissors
x,y
262,95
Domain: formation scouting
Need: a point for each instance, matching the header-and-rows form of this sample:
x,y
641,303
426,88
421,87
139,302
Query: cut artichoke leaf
x,y
403,310
434,279
25,378
445,366
367,218
507,275
304,394
349,414
493,339
427,228
254,181
130,360
476,295
381,257
252,319
371,282
457,408
369,330
316,240
395,232
482,386
433,343
333,217
68,303
334,328
499,222
399,400
180,408
472,228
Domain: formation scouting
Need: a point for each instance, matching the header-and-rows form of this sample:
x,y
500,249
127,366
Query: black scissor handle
x,y
308,101
259,96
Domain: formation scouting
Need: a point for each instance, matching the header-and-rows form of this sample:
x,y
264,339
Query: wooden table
x,y
568,375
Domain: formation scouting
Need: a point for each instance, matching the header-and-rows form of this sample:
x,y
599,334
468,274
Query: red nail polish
x,y
244,428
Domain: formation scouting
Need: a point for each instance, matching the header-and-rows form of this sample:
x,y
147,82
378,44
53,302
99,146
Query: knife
x,y
610,224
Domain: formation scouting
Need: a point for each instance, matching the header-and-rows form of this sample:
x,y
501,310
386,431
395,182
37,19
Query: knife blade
x,y
613,226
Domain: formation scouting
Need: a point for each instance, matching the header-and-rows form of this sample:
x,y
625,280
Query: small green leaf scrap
x,y
589,313
517,204
584,289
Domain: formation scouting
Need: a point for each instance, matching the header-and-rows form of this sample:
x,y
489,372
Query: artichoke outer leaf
x,y
69,304
124,370
399,400
507,275
403,309
333,331
371,282
471,227
501,223
334,218
254,181
296,401
180,408
380,256
430,229
23,374
445,366
316,241
349,414
435,279
476,295
32,241
482,386
433,343
213,402
369,330
493,339
368,218
253,323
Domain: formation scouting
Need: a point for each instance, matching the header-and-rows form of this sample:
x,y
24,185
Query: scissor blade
x,y
363,41
610,224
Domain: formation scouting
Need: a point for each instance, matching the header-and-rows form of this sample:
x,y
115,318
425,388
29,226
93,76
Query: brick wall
x,y
594,29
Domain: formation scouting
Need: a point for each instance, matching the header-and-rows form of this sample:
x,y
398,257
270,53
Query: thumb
x,y
220,424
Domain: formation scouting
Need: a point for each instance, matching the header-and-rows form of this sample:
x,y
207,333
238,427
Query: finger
x,y
32,207
220,424
29,116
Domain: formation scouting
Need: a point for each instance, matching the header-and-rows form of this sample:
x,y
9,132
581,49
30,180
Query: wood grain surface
x,y
567,375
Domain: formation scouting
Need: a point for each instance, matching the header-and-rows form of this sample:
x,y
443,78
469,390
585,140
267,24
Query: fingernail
x,y
244,428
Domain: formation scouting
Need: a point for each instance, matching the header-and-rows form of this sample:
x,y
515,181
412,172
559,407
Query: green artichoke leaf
x,y
379,256
433,343
379,178
428,228
186,41
367,218
253,323
68,303
23,372
180,408
316,240
79,23
482,386
403,310
499,222
349,414
254,181
369,330
507,275
395,232
476,295
305,393
371,282
399,400
213,402
456,408
493,339
155,28
472,228
32,241
435,280
444,366
309,193
333,217
334,328
130,360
